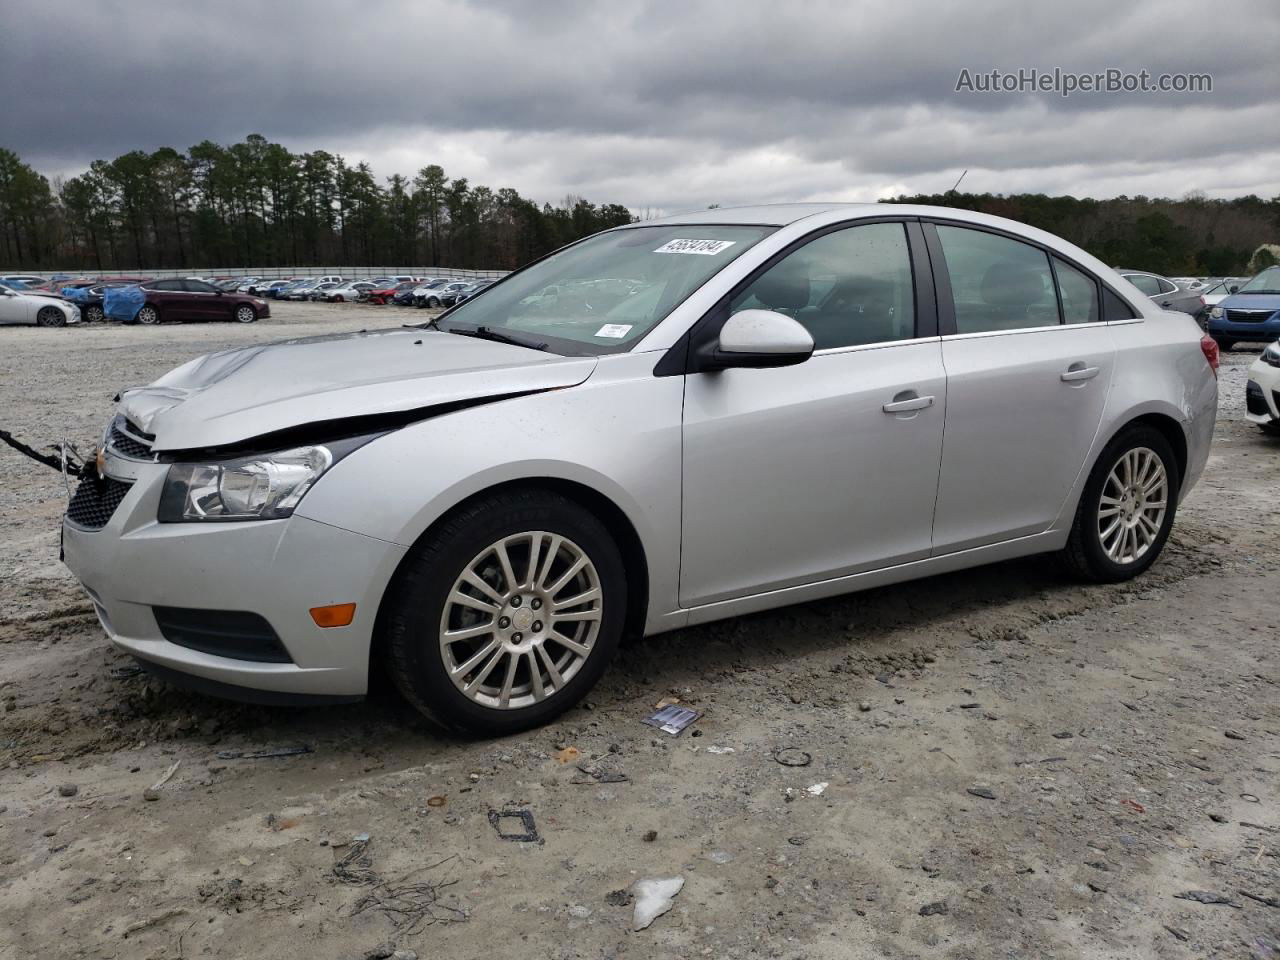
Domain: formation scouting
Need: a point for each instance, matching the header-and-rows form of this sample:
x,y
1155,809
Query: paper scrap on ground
x,y
654,897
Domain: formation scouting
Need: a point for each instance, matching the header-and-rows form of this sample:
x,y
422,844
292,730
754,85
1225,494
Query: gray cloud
x,y
656,105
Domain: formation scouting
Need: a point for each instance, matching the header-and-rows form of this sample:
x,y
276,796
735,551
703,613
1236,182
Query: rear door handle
x,y
906,402
1078,371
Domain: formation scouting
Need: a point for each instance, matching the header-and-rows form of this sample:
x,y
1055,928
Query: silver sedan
x,y
665,424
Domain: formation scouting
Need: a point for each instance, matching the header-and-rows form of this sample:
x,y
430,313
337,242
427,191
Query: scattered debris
x,y
140,925
568,755
282,823
720,856
412,904
817,789
1063,735
864,706
936,909
263,754
1249,798
650,836
720,751
985,793
530,834
437,801
1134,804
1218,818
654,896
1204,896
356,865
672,719
1233,734
68,790
1177,933
619,898
594,773
793,757
1266,901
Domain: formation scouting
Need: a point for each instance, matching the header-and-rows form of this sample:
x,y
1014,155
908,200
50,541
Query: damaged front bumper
x,y
226,604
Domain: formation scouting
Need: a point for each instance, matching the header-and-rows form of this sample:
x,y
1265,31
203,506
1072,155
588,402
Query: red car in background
x,y
175,299
384,294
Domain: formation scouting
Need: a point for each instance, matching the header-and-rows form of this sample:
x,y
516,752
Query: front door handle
x,y
1078,371
907,402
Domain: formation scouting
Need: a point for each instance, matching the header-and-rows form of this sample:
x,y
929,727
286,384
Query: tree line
x,y
1193,236
257,203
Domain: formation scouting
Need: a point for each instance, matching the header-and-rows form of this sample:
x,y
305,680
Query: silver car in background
x,y
664,424
1166,294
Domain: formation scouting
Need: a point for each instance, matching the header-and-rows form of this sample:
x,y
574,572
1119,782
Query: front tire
x,y
1127,508
433,302
94,314
245,314
508,614
148,315
51,317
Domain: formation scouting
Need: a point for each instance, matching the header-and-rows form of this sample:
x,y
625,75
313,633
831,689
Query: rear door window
x,y
997,283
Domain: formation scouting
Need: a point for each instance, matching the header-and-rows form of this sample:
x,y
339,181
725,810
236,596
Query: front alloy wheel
x,y
51,317
246,313
507,614
521,620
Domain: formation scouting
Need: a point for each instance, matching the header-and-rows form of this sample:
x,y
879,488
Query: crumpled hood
x,y
236,395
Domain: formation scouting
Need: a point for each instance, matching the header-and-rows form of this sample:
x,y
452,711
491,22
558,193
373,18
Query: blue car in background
x,y
1252,312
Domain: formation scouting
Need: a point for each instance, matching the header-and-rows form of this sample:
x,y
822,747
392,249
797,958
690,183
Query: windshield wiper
x,y
489,333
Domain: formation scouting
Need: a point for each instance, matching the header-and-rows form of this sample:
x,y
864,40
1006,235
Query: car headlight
x,y
1216,313
260,487
1271,355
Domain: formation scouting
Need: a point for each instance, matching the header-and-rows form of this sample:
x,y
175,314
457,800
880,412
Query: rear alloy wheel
x,y
93,314
148,315
508,615
246,313
51,317
1127,508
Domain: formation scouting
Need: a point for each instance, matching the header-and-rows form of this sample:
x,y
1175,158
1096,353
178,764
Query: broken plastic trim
x,y
371,425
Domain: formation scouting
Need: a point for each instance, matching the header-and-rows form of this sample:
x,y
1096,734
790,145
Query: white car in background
x,y
42,309
1262,394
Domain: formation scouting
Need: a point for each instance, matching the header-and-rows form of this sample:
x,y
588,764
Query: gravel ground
x,y
998,763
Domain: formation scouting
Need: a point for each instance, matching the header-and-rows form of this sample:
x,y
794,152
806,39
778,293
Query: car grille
x,y
94,501
129,442
1248,316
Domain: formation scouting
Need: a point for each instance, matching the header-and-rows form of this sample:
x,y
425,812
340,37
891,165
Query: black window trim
x,y
942,279
679,358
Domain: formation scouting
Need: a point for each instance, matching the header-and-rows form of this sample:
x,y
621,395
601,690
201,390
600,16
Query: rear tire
x,y
464,683
1127,508
148,315
51,317
1271,429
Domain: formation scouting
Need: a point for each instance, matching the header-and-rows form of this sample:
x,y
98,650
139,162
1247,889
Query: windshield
x,y
1268,281
605,293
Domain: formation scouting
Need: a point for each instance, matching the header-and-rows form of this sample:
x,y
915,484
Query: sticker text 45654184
x,y
706,248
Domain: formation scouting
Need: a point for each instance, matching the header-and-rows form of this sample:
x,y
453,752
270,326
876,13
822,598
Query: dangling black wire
x,y
49,460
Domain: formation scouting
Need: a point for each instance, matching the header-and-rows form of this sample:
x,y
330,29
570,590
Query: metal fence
x,y
276,273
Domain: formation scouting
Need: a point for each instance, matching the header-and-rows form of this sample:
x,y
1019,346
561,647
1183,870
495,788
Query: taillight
x,y
1209,347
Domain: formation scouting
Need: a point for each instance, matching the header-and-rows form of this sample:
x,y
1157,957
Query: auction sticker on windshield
x,y
614,330
704,248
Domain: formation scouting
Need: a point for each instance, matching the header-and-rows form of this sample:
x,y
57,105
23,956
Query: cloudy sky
x,y
662,106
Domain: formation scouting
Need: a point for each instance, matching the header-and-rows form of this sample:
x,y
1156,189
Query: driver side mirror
x,y
757,338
